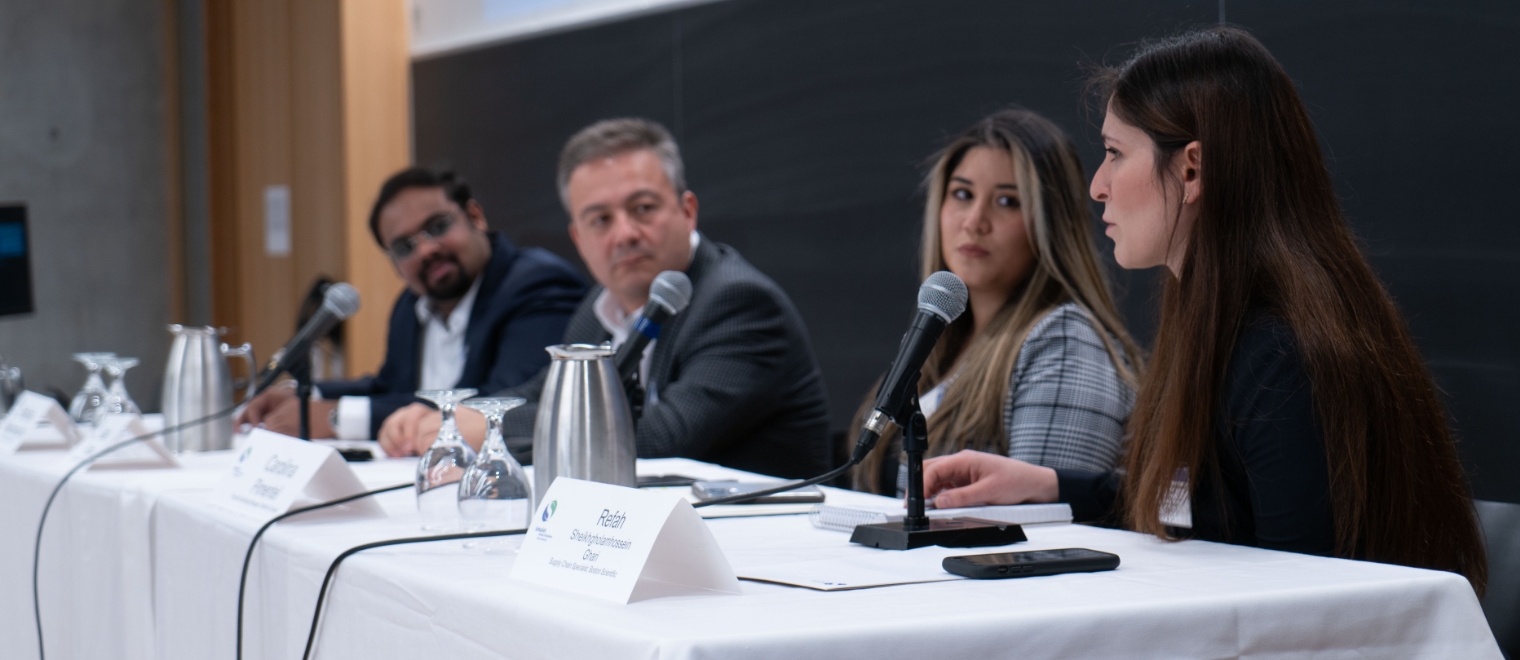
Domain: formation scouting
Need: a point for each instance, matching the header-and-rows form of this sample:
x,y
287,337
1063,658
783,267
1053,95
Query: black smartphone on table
x,y
1030,563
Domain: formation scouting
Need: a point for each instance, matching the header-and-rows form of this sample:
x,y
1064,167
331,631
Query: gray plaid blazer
x,y
736,380
1066,406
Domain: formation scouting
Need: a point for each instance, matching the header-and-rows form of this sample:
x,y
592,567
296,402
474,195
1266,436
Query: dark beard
x,y
451,288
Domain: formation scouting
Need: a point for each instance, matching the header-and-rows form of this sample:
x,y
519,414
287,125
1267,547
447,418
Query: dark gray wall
x,y
1413,103
805,126
82,144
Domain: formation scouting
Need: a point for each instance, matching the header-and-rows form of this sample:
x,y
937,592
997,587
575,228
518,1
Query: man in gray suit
x,y
731,380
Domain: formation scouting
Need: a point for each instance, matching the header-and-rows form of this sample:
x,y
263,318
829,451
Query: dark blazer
x,y
523,304
1271,487
734,375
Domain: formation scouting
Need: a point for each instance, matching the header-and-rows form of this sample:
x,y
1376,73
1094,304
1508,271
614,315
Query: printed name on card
x,y
620,544
276,473
36,422
147,453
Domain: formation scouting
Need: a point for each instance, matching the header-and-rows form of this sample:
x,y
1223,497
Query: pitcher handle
x,y
246,352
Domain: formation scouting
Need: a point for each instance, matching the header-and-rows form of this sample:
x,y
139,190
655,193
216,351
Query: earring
x,y
1184,198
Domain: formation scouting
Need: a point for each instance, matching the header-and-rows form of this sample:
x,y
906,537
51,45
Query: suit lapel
x,y
406,343
503,254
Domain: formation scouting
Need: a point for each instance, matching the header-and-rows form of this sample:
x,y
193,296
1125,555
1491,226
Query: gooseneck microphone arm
x,y
669,294
339,302
646,329
870,432
941,299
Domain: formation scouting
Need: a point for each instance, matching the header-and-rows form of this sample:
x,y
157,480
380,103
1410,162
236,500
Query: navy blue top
x,y
1272,485
524,301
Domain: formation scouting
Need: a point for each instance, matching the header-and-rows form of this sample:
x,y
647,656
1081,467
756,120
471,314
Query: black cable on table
x,y
745,497
316,615
333,568
868,436
37,548
243,581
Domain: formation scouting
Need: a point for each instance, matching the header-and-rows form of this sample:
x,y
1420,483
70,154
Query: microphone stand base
x,y
943,532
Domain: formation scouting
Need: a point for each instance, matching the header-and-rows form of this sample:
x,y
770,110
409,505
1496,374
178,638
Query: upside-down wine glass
x,y
443,464
494,493
119,401
90,402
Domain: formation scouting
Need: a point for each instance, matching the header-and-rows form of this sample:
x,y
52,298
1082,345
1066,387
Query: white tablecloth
x,y
140,565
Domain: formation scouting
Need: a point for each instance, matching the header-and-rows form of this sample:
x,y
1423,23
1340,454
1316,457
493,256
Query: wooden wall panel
x,y
261,37
173,162
317,169
311,94
221,146
377,126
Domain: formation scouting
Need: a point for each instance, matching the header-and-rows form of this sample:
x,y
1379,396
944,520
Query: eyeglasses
x,y
434,229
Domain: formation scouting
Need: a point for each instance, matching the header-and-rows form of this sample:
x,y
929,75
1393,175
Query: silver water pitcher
x,y
198,383
584,428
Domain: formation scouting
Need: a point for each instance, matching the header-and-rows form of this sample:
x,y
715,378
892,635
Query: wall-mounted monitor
x,y
15,261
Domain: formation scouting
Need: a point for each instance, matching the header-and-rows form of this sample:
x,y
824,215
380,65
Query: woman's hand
x,y
974,478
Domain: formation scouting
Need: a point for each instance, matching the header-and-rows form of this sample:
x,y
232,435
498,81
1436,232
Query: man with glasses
x,y
477,311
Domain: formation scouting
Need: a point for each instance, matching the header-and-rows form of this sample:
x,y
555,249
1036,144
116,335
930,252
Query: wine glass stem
x,y
447,429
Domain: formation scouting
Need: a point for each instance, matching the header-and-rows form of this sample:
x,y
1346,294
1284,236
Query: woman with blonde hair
x,y
1039,367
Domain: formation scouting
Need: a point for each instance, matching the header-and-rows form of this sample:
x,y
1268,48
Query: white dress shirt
x,y
443,357
619,323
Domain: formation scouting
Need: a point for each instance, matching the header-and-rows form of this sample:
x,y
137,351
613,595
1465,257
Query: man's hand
x,y
282,414
266,403
974,478
400,435
411,430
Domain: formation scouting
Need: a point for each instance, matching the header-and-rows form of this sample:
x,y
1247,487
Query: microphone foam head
x,y
943,295
341,299
672,290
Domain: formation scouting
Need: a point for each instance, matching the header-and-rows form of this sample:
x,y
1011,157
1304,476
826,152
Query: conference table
x,y
142,564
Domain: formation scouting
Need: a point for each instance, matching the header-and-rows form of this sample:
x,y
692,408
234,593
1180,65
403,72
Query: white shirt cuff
x,y
353,418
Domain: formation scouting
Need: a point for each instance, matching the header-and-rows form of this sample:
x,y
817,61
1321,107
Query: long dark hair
x,y
1270,235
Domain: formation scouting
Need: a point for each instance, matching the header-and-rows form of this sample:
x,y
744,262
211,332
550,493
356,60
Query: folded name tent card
x,y
36,421
147,453
620,544
276,473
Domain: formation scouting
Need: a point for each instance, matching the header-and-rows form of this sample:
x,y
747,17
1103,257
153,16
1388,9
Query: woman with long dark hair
x,y
1285,405
1040,366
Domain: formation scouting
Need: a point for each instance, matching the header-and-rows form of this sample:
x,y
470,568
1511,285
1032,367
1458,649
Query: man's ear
x,y
689,208
477,215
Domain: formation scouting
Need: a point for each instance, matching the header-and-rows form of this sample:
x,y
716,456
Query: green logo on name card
x,y
549,510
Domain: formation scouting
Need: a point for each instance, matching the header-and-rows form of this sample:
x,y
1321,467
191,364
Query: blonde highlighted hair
x,y
1052,194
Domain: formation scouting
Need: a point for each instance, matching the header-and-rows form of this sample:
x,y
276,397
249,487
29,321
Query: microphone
x,y
339,302
669,294
941,299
